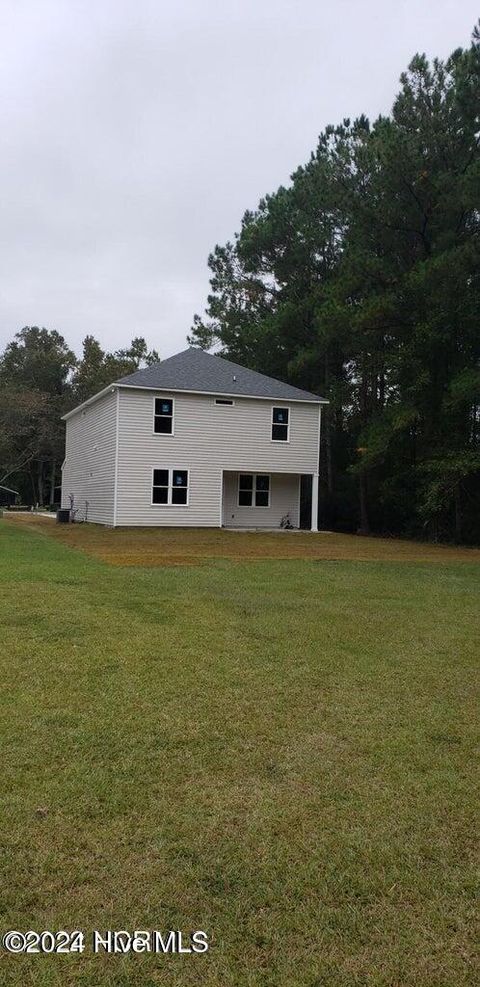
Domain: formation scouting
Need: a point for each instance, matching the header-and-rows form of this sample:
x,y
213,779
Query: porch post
x,y
314,526
220,519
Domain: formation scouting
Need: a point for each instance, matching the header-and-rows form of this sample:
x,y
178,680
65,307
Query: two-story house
x,y
195,440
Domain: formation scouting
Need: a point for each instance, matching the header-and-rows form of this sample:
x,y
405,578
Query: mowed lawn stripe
x,y
279,752
160,546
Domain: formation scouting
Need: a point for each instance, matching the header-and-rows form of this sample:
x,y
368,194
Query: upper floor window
x,y
227,401
170,487
163,416
280,424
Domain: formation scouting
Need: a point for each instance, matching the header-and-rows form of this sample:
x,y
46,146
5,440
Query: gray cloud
x,y
135,134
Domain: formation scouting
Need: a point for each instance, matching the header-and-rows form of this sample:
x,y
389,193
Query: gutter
x,y
188,390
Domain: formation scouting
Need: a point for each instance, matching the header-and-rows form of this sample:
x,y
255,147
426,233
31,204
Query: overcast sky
x,y
135,134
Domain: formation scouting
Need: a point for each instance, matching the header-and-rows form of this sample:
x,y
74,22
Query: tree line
x,y
360,281
40,380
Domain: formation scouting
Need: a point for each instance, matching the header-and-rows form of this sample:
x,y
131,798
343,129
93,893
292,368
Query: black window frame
x,y
254,490
245,490
225,402
171,487
162,416
277,426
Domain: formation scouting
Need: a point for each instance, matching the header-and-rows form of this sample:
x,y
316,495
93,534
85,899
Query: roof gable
x,y
195,370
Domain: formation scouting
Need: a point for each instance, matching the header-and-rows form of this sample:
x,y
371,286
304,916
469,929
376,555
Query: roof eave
x,y
186,390
224,394
106,390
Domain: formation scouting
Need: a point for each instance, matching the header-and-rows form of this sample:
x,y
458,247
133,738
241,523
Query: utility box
x,y
63,516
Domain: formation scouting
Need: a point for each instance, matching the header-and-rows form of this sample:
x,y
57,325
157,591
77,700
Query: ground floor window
x,y
170,487
253,490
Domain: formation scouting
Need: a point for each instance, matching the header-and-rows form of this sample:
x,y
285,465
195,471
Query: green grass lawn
x,y
278,752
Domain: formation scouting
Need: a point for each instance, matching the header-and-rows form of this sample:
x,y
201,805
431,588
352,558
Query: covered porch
x,y
269,500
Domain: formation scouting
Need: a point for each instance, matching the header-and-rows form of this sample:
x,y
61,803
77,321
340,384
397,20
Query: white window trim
x,y
224,402
260,507
163,435
272,423
170,470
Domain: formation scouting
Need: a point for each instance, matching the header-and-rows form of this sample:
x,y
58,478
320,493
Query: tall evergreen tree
x,y
361,281
96,369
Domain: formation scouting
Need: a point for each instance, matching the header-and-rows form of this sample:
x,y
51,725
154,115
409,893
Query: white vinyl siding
x,y
209,439
89,468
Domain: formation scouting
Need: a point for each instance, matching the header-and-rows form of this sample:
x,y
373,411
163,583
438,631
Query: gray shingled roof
x,y
196,370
